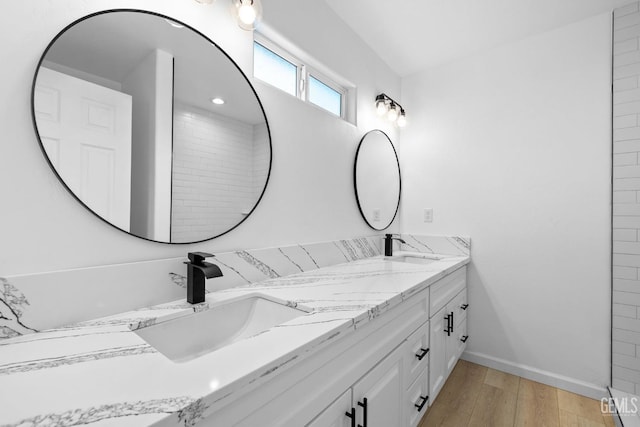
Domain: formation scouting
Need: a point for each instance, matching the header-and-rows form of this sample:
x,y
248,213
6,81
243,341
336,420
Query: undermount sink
x,y
418,258
185,338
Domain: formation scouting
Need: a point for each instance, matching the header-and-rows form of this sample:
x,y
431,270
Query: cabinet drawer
x,y
461,338
335,414
417,354
417,400
459,306
446,288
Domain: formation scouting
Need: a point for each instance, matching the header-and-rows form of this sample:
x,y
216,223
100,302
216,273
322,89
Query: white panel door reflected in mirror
x,y
162,160
377,179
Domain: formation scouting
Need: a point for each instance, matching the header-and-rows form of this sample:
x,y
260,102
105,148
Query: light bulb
x,y
217,101
402,120
246,13
392,115
381,105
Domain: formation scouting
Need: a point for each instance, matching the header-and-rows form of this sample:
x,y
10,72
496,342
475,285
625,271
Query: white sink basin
x,y
185,338
418,258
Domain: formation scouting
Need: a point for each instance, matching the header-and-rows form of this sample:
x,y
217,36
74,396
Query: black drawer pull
x,y
464,338
352,415
464,306
448,319
421,405
423,354
363,404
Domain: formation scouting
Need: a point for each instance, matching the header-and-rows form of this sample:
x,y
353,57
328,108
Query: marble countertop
x,y
102,373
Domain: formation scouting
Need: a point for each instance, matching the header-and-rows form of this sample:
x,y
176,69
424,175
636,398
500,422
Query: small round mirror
x,y
377,179
151,126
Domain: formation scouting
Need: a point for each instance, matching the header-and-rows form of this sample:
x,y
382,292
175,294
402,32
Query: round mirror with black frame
x,y
151,126
376,177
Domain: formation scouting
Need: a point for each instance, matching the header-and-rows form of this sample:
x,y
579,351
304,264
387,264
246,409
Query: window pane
x,y
324,96
274,69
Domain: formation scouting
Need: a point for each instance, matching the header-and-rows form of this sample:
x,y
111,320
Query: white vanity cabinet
x,y
393,393
448,328
382,369
379,395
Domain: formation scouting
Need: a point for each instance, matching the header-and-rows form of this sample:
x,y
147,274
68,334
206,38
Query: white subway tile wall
x,y
214,185
626,199
261,156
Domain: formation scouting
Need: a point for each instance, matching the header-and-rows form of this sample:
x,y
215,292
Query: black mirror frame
x,y
44,152
355,183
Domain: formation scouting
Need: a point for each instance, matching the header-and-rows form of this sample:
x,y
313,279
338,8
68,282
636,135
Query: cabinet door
x,y
451,338
384,390
335,414
452,342
437,353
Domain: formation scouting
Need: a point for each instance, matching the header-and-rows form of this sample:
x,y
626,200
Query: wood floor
x,y
478,396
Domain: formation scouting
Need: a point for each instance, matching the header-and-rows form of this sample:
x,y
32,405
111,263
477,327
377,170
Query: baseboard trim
x,y
560,381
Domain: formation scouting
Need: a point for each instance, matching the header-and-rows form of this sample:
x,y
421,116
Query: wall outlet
x,y
428,215
376,214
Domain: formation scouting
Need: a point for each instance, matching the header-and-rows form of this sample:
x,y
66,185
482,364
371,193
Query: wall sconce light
x,y
394,111
247,12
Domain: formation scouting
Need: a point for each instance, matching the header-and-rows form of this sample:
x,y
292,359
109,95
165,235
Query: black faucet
x,y
197,272
388,244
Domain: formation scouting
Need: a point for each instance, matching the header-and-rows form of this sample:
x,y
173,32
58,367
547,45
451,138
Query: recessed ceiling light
x,y
174,24
217,101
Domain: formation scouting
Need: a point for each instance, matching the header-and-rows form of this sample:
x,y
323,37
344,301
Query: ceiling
x,y
412,35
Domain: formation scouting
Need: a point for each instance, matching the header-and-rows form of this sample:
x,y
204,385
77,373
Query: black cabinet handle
x,y
363,404
421,405
423,354
448,331
451,321
352,415
464,338
464,306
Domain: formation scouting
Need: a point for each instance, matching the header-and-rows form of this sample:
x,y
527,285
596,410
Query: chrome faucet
x,y
197,272
388,244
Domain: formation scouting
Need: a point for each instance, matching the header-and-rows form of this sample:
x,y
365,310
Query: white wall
x,y
513,148
310,193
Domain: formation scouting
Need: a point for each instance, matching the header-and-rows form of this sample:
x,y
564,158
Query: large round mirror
x,y
377,179
151,126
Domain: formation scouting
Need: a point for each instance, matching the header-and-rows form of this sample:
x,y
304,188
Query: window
x,y
273,65
274,69
324,96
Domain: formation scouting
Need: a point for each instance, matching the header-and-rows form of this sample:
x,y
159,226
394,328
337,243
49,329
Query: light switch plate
x,y
428,215
376,214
